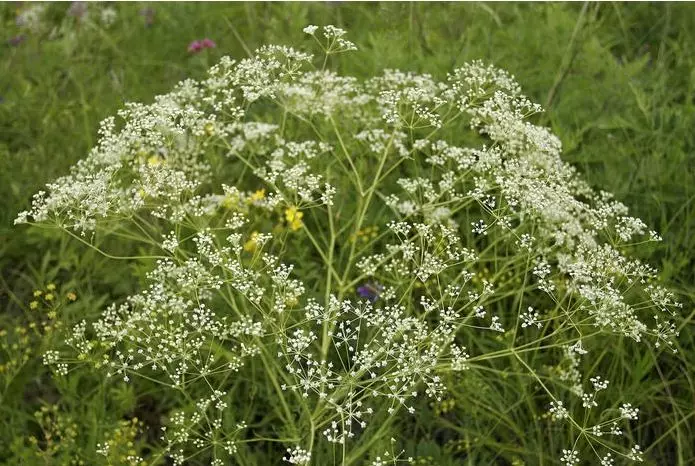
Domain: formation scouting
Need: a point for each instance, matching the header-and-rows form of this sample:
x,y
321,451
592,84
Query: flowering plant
x,y
37,18
327,252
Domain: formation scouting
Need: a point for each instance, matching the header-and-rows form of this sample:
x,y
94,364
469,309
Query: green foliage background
x,y
618,83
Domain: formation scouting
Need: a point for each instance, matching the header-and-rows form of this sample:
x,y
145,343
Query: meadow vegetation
x,y
363,267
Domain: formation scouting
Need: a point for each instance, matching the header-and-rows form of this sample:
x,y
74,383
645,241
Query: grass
x,y
618,85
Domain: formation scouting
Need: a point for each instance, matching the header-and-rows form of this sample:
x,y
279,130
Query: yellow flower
x,y
49,297
155,161
229,201
209,129
291,302
294,218
33,305
51,287
71,296
251,244
365,234
257,196
38,293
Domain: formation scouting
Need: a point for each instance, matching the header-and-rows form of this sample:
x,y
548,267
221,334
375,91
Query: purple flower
x,y
195,46
16,40
208,43
370,291
198,45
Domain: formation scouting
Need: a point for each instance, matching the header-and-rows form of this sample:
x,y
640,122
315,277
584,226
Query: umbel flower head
x,y
251,187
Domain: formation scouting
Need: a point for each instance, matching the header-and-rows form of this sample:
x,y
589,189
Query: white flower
x,y
628,412
569,457
530,318
557,411
298,455
311,29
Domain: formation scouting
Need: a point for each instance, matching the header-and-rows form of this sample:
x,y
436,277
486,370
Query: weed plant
x,y
315,268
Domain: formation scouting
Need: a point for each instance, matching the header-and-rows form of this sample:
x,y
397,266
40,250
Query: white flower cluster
x,y
298,455
382,354
200,428
609,424
255,183
35,18
335,40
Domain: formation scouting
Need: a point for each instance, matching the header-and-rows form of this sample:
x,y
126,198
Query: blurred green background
x,y
617,81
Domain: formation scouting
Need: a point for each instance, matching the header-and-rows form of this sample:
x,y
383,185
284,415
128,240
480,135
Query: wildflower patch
x,y
335,243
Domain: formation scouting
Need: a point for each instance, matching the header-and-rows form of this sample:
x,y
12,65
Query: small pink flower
x,y
208,43
195,46
198,45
